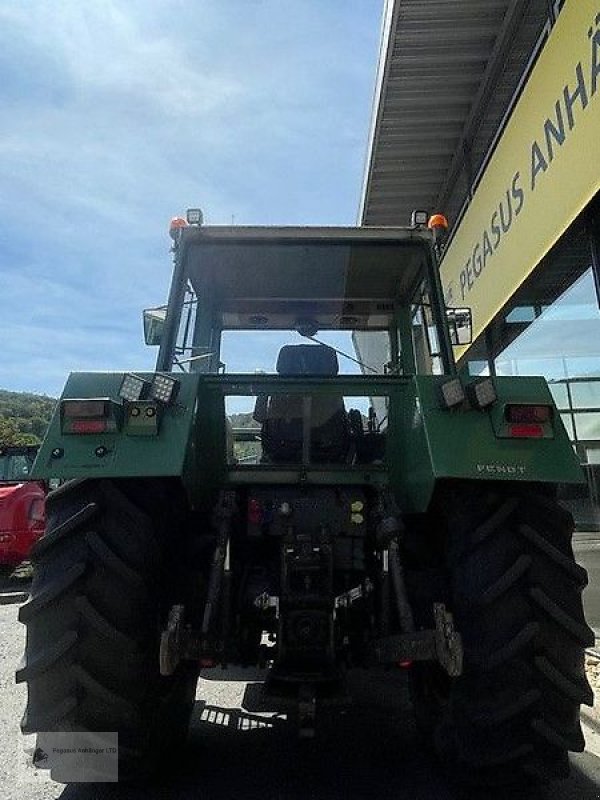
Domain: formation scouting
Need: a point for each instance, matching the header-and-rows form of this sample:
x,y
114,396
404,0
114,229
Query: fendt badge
x,y
501,469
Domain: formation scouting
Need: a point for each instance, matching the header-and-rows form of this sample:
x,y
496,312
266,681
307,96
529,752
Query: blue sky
x,y
116,116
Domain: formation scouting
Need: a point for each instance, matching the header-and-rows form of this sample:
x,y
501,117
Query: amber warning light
x,y
176,225
437,221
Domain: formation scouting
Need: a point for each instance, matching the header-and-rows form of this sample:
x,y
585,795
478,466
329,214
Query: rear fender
x,y
431,443
122,453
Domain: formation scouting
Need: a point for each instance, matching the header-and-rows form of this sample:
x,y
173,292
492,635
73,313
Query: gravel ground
x,y
241,748
18,779
592,668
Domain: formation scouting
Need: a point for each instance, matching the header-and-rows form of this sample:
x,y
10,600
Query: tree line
x,y
24,417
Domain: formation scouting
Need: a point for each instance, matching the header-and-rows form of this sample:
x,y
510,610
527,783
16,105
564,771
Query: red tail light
x,y
88,426
526,431
84,409
96,415
528,414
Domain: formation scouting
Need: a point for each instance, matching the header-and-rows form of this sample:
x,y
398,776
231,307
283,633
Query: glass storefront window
x,y
568,423
593,455
587,426
563,341
585,394
560,395
521,314
552,328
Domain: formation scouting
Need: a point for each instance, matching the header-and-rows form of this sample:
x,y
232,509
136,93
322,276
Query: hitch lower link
x,y
443,644
178,641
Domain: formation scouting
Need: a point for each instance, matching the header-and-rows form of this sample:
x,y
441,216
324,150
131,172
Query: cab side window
x,y
425,338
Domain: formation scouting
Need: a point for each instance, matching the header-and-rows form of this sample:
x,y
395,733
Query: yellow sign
x,y
545,169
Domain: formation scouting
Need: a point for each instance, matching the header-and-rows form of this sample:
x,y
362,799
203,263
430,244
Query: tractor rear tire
x,y
513,715
104,579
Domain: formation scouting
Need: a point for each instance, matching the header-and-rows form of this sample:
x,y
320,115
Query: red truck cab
x,y
22,505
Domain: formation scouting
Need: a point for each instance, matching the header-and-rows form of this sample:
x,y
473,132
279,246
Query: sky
x,y
117,116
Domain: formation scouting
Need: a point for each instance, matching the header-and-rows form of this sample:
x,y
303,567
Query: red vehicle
x,y
22,505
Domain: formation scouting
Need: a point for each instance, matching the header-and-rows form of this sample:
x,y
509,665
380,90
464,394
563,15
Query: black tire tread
x,y
50,718
487,660
578,573
578,691
565,741
503,712
35,664
117,703
112,561
52,591
513,716
505,581
91,663
581,632
492,524
100,624
68,528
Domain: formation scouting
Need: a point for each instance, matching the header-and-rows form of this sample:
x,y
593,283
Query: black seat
x,y
281,415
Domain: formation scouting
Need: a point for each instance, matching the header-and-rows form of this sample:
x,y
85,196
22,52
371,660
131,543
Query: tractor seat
x,y
281,415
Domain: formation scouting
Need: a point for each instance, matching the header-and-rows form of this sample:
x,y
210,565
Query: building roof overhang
x,y
448,73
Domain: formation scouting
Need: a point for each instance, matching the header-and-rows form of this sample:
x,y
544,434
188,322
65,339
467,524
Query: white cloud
x,y
115,116
104,49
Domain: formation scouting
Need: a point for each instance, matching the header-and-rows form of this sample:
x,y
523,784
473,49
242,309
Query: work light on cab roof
x,y
194,216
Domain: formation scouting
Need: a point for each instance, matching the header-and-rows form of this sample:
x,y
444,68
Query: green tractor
x,y
342,510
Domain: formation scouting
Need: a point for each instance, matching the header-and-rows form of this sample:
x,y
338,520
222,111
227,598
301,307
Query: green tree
x,y
10,435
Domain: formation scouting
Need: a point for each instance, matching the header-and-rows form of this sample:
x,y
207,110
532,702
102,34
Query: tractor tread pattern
x,y
506,711
572,741
513,715
100,624
103,579
488,661
104,694
51,718
573,569
492,524
32,666
67,528
112,561
578,691
504,583
66,488
52,591
581,632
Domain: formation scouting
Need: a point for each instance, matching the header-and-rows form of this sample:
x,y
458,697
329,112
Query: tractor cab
x,y
320,318
356,283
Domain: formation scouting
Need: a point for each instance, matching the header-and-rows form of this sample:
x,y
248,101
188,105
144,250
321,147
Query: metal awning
x,y
448,72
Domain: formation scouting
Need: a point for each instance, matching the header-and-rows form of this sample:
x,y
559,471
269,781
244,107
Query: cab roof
x,y
271,276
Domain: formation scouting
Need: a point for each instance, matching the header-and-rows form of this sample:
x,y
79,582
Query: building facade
x,y
504,138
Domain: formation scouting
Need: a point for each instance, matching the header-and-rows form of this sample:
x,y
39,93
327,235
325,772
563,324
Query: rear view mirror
x,y
460,325
154,322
